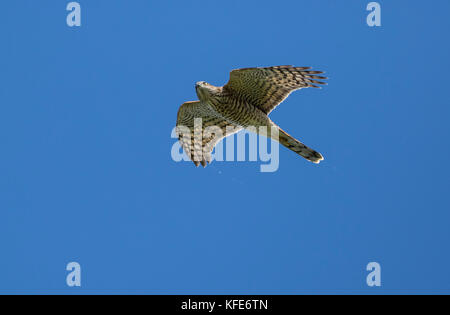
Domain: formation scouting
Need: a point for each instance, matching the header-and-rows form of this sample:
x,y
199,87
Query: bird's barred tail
x,y
298,147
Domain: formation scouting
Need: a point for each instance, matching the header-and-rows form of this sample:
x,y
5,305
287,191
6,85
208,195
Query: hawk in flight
x,y
245,101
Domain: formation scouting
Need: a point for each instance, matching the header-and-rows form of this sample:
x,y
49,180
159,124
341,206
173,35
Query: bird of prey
x,y
245,101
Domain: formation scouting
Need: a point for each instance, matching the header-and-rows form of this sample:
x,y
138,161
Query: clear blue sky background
x,y
86,173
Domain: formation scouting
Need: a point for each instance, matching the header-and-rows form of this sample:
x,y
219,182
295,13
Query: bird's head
x,y
204,90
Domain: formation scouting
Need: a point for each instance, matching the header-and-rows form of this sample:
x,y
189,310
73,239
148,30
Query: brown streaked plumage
x,y
246,100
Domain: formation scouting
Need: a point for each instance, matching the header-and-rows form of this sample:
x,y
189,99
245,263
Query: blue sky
x,y
86,172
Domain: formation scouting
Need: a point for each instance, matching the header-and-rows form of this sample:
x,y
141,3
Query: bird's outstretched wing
x,y
199,129
267,87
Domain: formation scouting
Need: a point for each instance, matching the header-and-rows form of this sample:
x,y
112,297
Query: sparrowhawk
x,y
245,101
